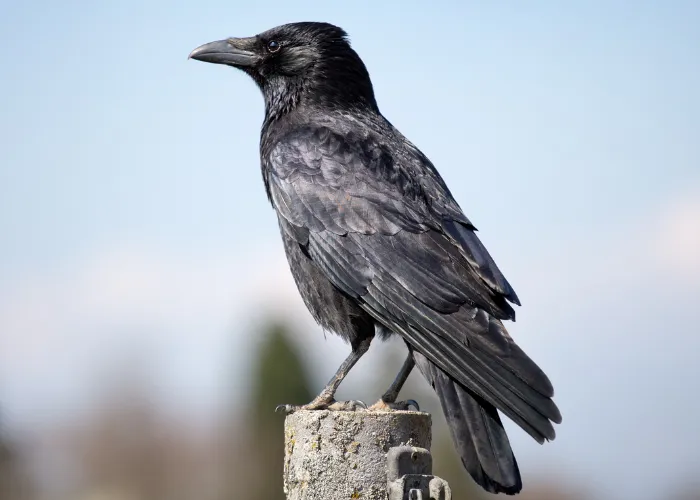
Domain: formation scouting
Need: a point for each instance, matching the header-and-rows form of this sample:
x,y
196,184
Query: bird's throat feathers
x,y
282,95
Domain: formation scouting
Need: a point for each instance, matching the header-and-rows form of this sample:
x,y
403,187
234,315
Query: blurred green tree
x,y
278,376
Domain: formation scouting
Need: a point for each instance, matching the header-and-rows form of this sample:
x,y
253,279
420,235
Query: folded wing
x,y
386,231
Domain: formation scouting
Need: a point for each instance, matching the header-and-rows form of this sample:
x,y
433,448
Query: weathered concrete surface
x,y
338,455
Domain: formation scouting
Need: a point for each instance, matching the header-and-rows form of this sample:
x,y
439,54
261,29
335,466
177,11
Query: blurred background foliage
x,y
126,448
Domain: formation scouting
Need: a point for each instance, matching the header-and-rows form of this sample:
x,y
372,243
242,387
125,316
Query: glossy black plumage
x,y
376,242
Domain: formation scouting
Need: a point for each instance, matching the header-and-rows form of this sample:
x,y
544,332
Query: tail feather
x,y
477,432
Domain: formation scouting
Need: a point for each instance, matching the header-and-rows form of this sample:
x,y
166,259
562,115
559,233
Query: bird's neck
x,y
284,95
281,95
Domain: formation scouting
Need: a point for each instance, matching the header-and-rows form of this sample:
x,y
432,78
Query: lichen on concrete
x,y
342,455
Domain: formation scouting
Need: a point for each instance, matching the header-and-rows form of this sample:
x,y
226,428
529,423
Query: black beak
x,y
232,51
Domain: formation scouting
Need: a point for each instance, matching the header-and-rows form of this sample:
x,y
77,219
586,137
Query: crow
x,y
378,246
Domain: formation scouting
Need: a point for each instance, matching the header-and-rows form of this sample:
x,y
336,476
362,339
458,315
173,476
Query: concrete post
x,y
338,455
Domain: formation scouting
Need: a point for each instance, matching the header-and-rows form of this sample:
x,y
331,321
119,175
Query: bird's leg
x,y
388,400
326,399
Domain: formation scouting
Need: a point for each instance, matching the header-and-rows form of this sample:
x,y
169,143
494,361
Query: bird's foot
x,y
323,404
382,405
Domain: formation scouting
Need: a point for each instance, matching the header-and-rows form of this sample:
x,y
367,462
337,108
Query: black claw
x,y
414,403
361,404
284,408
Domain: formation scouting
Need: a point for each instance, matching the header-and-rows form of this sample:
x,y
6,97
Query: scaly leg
x,y
326,400
388,400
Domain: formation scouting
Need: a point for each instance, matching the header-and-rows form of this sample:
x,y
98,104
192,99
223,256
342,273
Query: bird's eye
x,y
273,46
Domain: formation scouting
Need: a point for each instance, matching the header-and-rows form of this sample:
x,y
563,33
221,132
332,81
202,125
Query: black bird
x,y
378,246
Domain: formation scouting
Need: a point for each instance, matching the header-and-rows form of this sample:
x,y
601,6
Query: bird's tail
x,y
477,432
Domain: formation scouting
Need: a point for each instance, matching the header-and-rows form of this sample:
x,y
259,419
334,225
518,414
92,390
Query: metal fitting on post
x,y
409,476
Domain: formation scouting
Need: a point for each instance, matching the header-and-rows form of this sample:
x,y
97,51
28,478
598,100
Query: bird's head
x,y
297,63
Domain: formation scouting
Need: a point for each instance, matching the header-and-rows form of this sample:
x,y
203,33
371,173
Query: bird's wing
x,y
385,230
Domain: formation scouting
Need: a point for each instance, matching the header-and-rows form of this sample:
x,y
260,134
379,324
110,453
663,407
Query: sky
x,y
132,211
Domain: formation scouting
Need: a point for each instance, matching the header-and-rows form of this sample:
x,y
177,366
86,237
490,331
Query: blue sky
x,y
132,210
